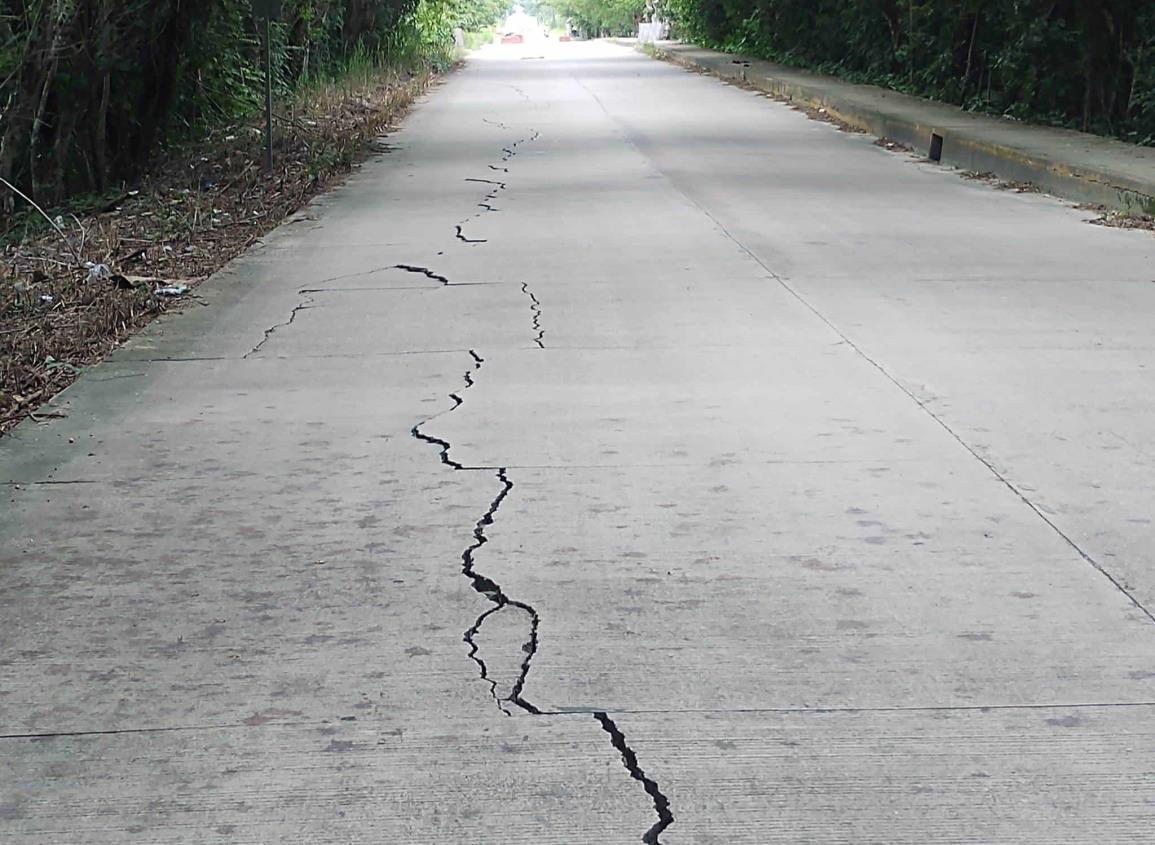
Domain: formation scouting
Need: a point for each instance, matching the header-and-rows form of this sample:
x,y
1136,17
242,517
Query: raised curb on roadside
x,y
1073,165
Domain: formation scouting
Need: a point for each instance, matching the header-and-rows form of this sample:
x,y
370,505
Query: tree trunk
x,y
47,75
104,72
966,79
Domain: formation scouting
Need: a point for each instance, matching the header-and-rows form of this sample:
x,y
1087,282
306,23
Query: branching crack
x,y
482,584
535,307
488,587
492,591
304,305
630,759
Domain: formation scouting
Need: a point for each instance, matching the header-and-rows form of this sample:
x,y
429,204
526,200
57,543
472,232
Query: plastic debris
x,y
178,289
98,272
51,365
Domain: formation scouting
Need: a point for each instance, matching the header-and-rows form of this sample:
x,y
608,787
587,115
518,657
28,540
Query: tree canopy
x,y
594,17
1089,64
89,88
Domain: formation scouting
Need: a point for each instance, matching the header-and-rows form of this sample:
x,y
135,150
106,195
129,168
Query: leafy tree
x,y
601,17
1083,63
90,88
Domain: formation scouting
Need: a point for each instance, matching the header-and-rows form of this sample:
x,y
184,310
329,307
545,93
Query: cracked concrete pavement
x,y
624,457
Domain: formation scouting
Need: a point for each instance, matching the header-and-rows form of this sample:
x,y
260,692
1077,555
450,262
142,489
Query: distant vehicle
x,y
512,38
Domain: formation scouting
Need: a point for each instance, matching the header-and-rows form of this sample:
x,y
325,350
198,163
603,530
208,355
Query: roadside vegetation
x,y
1084,64
130,150
591,18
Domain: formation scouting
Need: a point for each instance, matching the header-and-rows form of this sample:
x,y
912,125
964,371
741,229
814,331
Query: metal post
x,y
269,94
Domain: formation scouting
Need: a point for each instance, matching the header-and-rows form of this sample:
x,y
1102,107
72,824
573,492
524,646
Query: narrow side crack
x,y
535,308
304,305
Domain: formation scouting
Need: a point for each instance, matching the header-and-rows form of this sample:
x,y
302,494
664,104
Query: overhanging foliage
x,y
1088,64
90,88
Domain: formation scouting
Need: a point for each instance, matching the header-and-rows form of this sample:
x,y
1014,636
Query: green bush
x,y
1087,64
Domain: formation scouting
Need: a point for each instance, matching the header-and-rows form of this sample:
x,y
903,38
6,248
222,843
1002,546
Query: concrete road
x,y
624,457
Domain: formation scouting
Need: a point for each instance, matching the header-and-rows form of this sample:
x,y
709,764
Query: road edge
x,y
959,145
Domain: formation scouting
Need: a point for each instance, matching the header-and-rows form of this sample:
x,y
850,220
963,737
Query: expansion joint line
x,y
858,350
986,462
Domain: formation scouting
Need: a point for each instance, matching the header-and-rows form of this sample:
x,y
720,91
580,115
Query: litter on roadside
x,y
98,272
178,289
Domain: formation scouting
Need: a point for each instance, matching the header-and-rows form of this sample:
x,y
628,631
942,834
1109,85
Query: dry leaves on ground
x,y
68,298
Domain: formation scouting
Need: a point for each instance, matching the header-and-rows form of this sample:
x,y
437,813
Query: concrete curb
x,y
1073,165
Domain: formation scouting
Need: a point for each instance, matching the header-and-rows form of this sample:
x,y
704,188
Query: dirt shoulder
x,y
72,292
